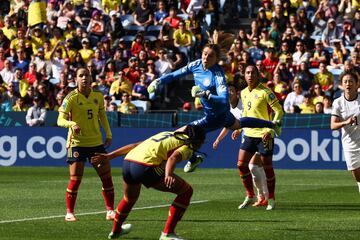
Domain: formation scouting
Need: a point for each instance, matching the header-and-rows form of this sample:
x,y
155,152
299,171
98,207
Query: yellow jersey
x,y
156,150
259,103
77,109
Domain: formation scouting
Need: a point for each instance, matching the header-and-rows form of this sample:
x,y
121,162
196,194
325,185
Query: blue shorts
x,y
252,145
213,122
135,173
81,154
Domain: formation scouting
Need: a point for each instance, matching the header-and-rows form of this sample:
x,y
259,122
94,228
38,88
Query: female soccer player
x,y
345,116
210,86
152,164
255,165
257,99
80,112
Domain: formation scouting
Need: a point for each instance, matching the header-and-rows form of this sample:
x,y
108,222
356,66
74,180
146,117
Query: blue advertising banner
x,y
296,149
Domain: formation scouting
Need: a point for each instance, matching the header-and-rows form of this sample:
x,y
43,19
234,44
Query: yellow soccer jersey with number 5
x,y
259,103
85,112
158,148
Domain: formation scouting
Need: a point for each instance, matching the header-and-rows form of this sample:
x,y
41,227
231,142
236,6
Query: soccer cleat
x,y
153,86
191,166
110,215
169,236
271,205
261,202
125,229
70,217
277,128
247,202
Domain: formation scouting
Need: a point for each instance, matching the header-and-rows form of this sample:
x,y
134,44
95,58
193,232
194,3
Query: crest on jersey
x,y
222,88
272,96
96,101
63,105
256,96
206,82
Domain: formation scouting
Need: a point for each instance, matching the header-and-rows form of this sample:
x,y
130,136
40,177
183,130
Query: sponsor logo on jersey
x,y
272,96
63,105
206,82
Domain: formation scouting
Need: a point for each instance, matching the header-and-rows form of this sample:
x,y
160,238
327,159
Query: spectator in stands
x,y
271,61
317,93
98,61
348,35
142,60
165,36
183,39
10,95
172,20
137,44
346,9
265,40
6,73
132,72
261,19
281,88
110,71
338,54
294,98
139,91
243,38
31,75
40,61
265,76
46,96
300,55
103,84
4,43
332,31
126,107
57,60
36,115
304,77
320,54
114,26
150,72
278,16
327,104
319,108
254,31
143,15
86,52
304,21
160,13
307,107
20,105
96,28
325,79
356,21
21,61
20,84
120,86
84,15
19,37
256,51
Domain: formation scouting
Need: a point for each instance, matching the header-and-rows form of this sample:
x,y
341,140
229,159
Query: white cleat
x,y
191,166
248,201
271,205
169,236
110,215
70,217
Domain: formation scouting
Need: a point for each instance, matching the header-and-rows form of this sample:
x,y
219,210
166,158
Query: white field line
x,y
91,213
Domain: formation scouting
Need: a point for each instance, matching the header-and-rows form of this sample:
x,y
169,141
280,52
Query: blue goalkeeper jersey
x,y
212,79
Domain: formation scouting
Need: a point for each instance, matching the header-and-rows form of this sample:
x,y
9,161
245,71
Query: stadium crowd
x,y
300,47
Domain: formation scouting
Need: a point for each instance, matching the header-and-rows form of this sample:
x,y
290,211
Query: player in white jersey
x,y
345,115
255,165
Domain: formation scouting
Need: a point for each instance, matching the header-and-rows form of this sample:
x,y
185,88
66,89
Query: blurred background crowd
x,y
301,48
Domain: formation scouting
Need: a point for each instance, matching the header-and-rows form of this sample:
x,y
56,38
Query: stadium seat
x,y
142,106
316,37
153,30
128,40
127,19
150,38
134,29
314,70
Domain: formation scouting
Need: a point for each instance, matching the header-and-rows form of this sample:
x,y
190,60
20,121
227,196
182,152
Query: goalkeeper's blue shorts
x,y
213,122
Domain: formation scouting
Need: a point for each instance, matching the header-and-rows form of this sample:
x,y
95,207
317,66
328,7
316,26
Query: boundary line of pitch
x,y
91,213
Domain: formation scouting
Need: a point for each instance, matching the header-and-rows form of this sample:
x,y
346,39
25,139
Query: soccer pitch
x,y
319,204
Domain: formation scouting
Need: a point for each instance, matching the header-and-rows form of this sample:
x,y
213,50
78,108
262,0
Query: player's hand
x,y
153,86
76,129
215,144
169,180
235,134
350,121
197,92
99,158
108,142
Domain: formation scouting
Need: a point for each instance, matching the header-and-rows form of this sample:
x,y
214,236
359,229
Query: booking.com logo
x,y
36,147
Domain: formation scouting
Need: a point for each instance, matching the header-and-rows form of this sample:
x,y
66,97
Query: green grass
x,y
310,205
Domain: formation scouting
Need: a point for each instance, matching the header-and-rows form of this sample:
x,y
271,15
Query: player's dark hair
x,y
215,47
351,73
196,135
78,69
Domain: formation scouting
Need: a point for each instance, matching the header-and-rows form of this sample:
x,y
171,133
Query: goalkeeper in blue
x,y
211,87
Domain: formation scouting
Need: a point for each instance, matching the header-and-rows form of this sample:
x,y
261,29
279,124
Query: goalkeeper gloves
x,y
153,86
197,92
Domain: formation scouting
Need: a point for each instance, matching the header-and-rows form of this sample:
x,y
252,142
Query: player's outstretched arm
x,y
100,157
220,137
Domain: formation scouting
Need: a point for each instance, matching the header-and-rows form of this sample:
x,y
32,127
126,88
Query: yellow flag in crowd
x,y
37,12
